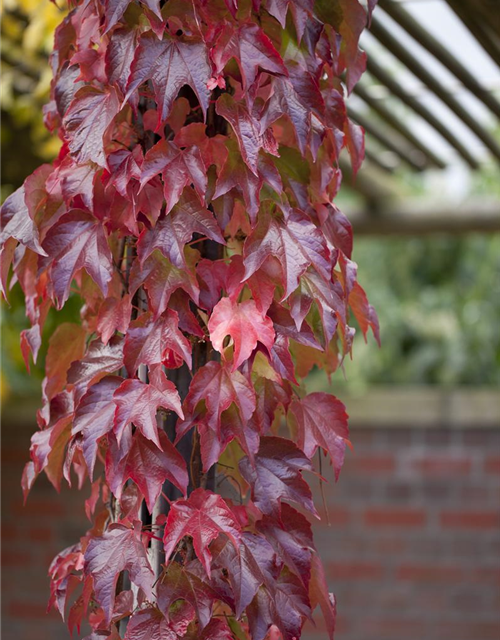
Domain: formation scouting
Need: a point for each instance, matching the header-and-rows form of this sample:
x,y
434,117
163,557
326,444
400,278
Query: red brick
x,y
355,570
492,464
21,609
371,464
15,558
428,573
488,575
443,465
395,517
468,630
40,534
336,516
9,532
44,508
470,519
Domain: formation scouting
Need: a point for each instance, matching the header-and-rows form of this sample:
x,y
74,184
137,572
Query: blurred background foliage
x,y
438,297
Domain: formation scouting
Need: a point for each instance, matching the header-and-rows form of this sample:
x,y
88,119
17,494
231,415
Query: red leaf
x,y
16,222
291,538
203,517
174,231
218,388
116,8
276,475
78,241
355,140
246,326
94,417
150,624
149,466
148,341
251,49
99,361
248,567
296,243
119,549
161,279
321,421
87,120
249,132
179,168
364,312
119,56
114,315
66,344
138,403
170,64
179,583
318,594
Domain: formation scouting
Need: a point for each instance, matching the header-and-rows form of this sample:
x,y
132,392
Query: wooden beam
x,y
486,39
422,218
385,113
395,88
391,43
441,53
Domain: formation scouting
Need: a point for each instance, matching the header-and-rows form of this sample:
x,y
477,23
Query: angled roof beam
x,y
397,49
387,115
374,158
469,17
395,88
426,40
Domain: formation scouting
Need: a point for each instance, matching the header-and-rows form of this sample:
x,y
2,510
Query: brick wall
x,y
413,550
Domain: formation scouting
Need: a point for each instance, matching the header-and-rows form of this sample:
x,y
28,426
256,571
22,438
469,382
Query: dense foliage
x,y
190,209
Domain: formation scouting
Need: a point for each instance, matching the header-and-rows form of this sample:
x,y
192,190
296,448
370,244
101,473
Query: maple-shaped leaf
x,y
172,232
148,341
87,120
203,516
114,10
364,312
179,168
291,537
149,466
248,129
355,142
151,624
318,594
118,549
235,174
77,241
179,583
336,227
297,97
251,49
217,629
170,64
119,56
16,222
321,421
248,567
218,387
287,325
99,360
244,323
300,9
296,243
94,416
285,605
276,475
66,344
161,279
114,315
138,403
329,298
